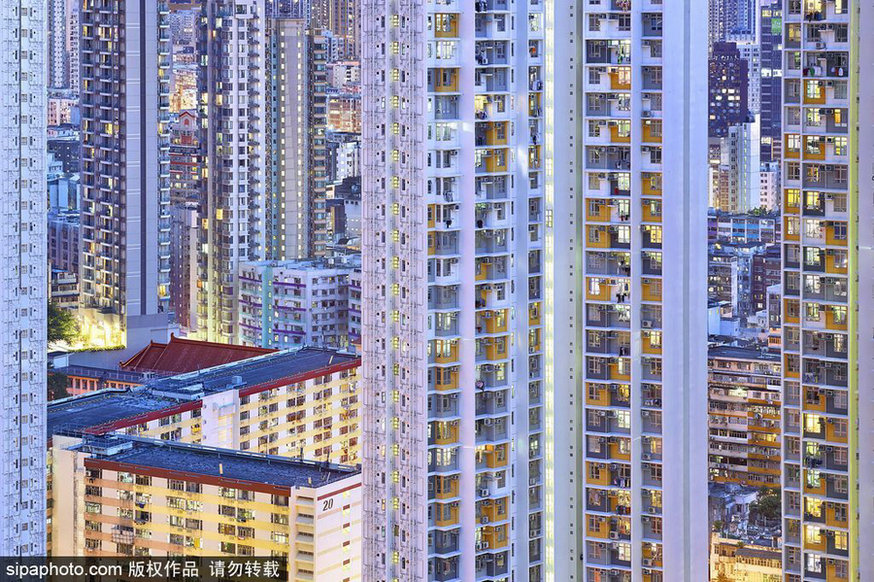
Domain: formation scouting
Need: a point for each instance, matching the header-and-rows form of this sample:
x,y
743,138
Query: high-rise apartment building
x,y
828,317
234,123
452,289
627,257
125,170
58,56
24,293
73,34
342,18
771,39
728,82
299,144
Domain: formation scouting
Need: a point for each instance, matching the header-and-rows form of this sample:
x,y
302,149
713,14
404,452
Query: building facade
x,y
289,304
234,140
771,39
728,82
300,109
744,424
124,173
827,311
24,291
127,496
452,290
302,403
627,368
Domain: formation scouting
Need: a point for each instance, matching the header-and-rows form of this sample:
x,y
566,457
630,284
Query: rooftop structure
x,y
181,355
242,467
109,410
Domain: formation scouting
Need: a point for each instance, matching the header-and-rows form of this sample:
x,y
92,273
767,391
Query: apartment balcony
x,y
606,421
608,343
611,264
608,158
443,542
491,431
492,188
493,26
444,466
608,394
492,297
608,316
651,421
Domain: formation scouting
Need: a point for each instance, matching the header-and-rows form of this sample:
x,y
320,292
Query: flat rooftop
x,y
742,353
255,371
214,462
73,415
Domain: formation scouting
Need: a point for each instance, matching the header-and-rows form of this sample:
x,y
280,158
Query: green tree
x,y
767,505
62,325
57,386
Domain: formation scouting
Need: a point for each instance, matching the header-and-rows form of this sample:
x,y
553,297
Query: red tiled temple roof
x,y
184,355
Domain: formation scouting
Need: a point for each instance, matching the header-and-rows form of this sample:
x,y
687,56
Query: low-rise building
x,y
128,496
300,403
287,304
736,561
744,424
65,288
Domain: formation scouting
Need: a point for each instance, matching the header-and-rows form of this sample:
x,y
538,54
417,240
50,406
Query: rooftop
x,y
742,353
185,355
78,413
214,462
73,415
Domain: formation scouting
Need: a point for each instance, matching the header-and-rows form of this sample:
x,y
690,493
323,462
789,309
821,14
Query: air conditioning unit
x,y
614,535
483,492
487,422
645,113
646,323
646,456
820,44
601,413
480,546
644,413
484,519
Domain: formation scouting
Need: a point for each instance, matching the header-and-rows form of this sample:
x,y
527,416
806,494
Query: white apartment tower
x,y
452,289
300,110
627,299
24,294
828,311
125,170
58,55
233,110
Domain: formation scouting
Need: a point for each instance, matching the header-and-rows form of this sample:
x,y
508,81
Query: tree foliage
x,y
57,386
767,505
62,325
